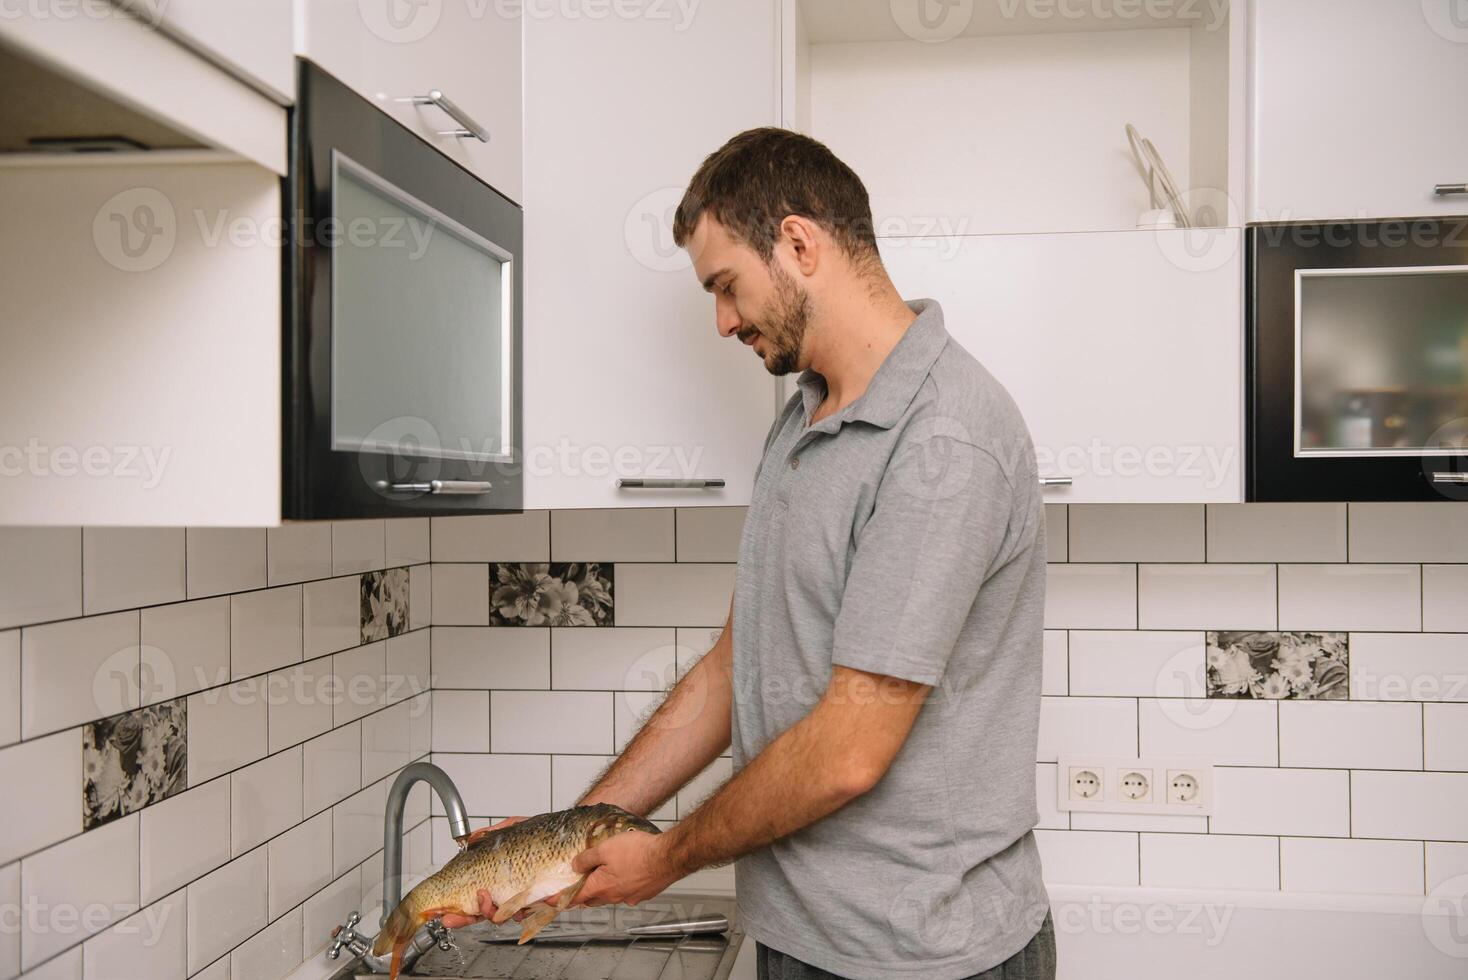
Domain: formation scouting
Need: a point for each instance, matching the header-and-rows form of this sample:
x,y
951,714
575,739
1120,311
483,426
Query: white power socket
x,y
1094,784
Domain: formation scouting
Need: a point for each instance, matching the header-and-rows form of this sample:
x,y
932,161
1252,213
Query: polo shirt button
x,y
795,462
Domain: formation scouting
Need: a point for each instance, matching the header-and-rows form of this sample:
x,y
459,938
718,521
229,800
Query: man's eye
x,y
728,289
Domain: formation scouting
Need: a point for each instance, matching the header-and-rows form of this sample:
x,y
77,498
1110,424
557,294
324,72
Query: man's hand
x,y
487,907
628,868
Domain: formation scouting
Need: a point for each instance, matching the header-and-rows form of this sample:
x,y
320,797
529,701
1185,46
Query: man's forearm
x,y
688,731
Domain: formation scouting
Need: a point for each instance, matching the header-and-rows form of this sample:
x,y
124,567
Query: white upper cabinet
x,y
1357,108
397,54
253,39
625,374
1122,350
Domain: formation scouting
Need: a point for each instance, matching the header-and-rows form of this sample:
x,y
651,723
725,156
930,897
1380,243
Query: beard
x,y
784,325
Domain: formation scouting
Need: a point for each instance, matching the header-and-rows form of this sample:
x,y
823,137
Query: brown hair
x,y
762,176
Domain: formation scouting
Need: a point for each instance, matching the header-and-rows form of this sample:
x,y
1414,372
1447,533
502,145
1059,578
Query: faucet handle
x,y
439,933
345,937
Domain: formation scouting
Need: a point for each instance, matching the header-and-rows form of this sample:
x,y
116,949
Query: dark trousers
x,y
1035,962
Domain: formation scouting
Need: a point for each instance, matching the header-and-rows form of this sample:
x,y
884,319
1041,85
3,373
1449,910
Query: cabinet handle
x,y
471,128
643,484
1056,481
1447,477
441,487
1443,190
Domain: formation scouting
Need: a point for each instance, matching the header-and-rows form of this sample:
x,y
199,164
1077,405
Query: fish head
x,y
617,821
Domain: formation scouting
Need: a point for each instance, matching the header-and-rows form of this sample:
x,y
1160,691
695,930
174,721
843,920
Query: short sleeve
x,y
941,515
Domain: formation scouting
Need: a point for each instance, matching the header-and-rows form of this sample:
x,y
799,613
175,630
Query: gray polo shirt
x,y
903,535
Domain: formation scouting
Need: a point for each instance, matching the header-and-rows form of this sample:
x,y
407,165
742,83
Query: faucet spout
x,y
392,832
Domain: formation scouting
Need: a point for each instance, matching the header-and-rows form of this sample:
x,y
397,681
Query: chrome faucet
x,y
433,933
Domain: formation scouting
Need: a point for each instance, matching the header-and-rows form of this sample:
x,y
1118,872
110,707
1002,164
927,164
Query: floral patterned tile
x,y
576,594
133,759
384,604
1298,666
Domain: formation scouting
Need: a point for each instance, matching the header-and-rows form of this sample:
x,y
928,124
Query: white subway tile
x,y
95,873
150,943
331,615
264,630
1350,867
550,721
1088,857
461,721
492,537
297,553
1057,533
299,863
1091,596
1409,532
1152,823
1235,597
1276,532
356,826
1291,802
332,767
1222,731
1445,598
407,666
1445,736
1409,805
184,837
1047,798
1136,532
358,688
710,533
43,804
673,595
358,546
460,594
9,938
1342,735
1350,597
265,799
228,728
490,658
1447,869
299,702
420,596
40,574
67,966
225,559
499,785
420,725
77,671
628,714
9,687
1140,663
185,648
127,567
1409,666
702,786
270,954
620,534
619,659
385,746
226,907
1097,726
329,908
1055,665
406,541
1210,861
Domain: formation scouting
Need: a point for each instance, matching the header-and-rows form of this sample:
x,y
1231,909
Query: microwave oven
x,y
403,321
1357,354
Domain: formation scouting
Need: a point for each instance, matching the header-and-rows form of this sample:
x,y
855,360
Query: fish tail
x,y
395,932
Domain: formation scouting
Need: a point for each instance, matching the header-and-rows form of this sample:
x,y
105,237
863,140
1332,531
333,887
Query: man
x,y
879,676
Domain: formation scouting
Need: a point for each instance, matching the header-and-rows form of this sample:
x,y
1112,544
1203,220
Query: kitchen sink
x,y
479,952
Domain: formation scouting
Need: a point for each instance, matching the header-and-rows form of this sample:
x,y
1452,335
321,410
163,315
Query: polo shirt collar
x,y
897,380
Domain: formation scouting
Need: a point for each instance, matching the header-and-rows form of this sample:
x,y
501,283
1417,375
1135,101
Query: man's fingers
x,y
487,907
588,860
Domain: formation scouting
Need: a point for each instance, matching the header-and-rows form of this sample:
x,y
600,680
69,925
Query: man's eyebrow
x,y
708,283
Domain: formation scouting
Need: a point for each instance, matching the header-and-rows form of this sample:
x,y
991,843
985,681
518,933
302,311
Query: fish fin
x,y
568,894
512,905
397,959
538,920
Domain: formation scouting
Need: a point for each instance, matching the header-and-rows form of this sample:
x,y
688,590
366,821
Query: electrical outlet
x,y
1159,786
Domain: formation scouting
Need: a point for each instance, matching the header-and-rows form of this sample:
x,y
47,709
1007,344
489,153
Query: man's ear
x,y
804,238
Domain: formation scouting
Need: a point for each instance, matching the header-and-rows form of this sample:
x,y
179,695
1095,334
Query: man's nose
x,y
727,318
